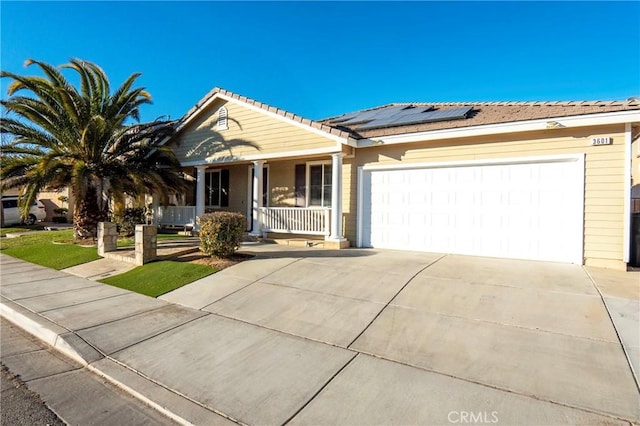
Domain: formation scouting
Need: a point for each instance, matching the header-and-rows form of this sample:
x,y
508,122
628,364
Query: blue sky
x,y
326,58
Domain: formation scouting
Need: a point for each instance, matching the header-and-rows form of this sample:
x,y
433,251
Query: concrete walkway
x,y
307,336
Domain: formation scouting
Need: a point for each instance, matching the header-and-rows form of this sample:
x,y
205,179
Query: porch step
x,y
297,242
249,238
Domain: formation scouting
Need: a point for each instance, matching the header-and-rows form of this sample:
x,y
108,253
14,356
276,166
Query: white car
x,y
11,213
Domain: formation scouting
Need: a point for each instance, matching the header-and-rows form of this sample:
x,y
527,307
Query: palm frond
x,y
61,135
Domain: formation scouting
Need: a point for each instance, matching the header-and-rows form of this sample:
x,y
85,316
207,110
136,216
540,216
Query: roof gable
x,y
219,93
247,133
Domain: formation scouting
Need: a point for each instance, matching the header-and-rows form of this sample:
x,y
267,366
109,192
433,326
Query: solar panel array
x,y
400,115
365,116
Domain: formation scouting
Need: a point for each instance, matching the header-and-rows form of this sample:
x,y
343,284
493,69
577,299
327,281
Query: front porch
x,y
297,198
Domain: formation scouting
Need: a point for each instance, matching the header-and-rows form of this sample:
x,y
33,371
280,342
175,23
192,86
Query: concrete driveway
x,y
515,329
306,336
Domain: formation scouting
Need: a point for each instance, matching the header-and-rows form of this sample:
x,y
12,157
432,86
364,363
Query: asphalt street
x,y
22,407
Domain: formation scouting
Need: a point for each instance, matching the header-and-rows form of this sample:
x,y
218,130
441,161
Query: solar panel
x,y
399,110
357,117
385,122
450,114
376,114
345,117
418,117
360,118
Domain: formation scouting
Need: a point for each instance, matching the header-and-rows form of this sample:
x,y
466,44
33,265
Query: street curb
x,y
183,410
56,336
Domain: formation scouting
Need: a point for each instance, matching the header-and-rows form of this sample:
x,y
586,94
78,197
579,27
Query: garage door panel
x,y
525,210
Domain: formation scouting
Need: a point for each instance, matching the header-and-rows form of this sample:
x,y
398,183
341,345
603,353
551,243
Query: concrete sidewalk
x,y
352,337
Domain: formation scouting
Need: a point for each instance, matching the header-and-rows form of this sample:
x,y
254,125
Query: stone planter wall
x,y
107,237
146,243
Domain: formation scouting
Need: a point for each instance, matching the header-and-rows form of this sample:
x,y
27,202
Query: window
x,y
319,186
216,188
10,204
222,123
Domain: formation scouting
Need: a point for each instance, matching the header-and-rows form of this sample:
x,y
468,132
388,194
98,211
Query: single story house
x,y
531,180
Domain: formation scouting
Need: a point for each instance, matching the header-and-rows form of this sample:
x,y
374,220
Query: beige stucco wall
x,y
200,141
604,176
50,201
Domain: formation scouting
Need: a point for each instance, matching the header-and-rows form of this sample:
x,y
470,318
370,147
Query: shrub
x,y
129,219
221,233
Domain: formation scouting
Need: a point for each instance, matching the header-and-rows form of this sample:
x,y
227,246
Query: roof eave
x,y
597,119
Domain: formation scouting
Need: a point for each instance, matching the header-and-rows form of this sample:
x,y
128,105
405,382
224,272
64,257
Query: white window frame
x,y
222,122
309,164
207,196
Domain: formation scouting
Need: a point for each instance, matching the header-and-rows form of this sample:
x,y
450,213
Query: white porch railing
x,y
296,220
176,215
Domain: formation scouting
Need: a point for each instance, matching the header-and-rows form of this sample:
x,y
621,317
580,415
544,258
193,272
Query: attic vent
x,y
221,124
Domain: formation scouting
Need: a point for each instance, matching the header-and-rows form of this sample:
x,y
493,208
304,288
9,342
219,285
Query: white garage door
x,y
525,210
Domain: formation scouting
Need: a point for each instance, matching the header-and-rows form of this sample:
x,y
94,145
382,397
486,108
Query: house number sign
x,y
601,141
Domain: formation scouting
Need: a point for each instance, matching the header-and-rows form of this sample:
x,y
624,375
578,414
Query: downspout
x,y
627,193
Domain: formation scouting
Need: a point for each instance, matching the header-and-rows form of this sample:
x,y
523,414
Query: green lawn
x,y
157,278
40,249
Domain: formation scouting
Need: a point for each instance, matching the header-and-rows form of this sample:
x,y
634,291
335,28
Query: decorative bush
x,y
221,233
130,218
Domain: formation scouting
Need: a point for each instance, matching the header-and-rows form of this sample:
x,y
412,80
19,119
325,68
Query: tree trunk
x,y
118,205
87,214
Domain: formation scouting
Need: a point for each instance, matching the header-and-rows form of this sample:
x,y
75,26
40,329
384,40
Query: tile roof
x,y
488,113
315,124
482,113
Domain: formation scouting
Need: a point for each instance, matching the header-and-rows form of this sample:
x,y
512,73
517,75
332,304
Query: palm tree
x,y
84,139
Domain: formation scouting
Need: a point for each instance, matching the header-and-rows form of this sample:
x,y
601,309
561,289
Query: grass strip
x,y
157,278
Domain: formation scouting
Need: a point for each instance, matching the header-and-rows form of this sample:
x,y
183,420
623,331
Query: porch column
x,y
200,195
336,197
256,202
